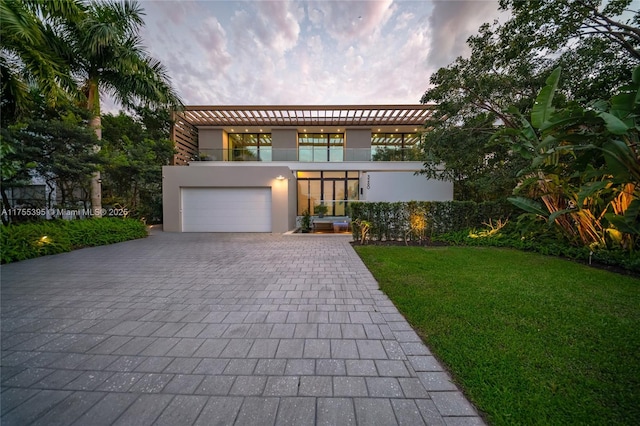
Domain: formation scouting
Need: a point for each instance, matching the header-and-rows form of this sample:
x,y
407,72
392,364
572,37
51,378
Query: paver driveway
x,y
181,329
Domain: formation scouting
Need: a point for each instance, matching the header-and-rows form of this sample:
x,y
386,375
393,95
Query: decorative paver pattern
x,y
202,329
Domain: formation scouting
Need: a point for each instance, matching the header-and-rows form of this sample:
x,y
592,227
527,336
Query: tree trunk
x,y
7,205
93,105
51,187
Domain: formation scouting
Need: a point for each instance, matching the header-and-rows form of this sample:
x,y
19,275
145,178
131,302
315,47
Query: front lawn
x,y
531,339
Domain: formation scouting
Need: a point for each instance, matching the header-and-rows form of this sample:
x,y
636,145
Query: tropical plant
x,y
31,53
76,50
134,149
305,221
491,230
596,42
108,57
584,175
320,209
361,228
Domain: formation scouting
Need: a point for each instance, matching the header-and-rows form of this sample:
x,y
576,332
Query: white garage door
x,y
226,209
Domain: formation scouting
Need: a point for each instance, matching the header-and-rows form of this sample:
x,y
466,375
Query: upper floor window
x,y
250,146
395,147
321,147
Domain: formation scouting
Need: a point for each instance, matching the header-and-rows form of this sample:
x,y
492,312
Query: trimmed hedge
x,y
417,220
41,238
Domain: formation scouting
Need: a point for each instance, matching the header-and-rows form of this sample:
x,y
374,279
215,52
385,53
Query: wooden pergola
x,y
244,118
306,115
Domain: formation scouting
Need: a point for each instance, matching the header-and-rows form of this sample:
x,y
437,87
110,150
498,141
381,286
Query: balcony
x,y
311,154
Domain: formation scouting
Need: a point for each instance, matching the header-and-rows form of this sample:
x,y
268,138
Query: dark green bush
x,y
392,221
508,237
34,239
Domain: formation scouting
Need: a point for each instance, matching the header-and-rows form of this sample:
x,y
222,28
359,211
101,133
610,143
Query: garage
x,y
226,209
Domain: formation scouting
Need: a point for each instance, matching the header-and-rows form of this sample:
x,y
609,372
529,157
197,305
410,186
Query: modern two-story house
x,y
259,168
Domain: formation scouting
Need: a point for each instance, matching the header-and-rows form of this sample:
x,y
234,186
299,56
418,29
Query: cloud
x,y
452,22
336,65
346,21
403,21
212,38
174,11
271,25
353,61
315,52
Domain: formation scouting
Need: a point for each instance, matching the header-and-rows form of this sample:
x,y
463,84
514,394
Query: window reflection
x,y
250,147
321,147
395,147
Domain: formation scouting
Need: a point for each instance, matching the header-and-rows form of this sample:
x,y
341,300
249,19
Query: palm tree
x,y
108,58
29,52
73,50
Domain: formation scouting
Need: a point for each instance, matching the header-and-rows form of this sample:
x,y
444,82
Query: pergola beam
x,y
302,115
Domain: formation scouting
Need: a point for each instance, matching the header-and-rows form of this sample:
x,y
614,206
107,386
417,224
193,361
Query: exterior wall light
x,y
280,177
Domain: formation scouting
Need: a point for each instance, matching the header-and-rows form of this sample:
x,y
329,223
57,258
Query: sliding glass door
x,y
332,189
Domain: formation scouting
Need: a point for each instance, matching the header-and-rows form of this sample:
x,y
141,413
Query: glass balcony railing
x,y
311,154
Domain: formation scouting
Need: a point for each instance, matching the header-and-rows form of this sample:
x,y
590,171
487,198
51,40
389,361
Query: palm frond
x,y
140,82
56,9
32,40
14,88
19,25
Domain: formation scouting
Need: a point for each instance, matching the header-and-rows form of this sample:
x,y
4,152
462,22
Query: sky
x,y
308,52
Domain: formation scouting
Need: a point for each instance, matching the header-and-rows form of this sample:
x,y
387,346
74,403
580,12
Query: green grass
x,y
531,339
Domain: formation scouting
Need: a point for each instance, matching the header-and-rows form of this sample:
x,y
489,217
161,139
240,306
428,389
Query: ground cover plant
x,y
531,339
544,241
40,238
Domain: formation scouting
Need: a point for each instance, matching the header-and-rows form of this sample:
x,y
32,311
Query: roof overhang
x,y
241,118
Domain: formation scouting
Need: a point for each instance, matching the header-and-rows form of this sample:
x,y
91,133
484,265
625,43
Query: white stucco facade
x,y
395,186
261,165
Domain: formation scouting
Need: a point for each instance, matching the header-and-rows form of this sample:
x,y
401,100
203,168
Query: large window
x,y
250,147
321,147
334,189
395,147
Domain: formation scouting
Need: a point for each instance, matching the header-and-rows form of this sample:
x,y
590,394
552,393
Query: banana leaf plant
x,y
584,175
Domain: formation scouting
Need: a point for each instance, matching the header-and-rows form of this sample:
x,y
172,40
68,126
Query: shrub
x,y
417,220
544,244
41,238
